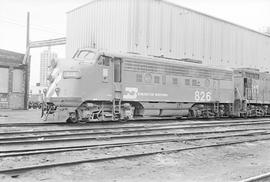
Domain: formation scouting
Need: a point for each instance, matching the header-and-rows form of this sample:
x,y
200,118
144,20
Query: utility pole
x,y
26,62
27,30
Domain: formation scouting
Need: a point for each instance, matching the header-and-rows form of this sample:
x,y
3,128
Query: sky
x,y
48,20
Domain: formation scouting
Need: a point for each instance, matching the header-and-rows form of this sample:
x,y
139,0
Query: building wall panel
x,y
18,84
95,26
3,101
16,101
14,79
158,28
4,78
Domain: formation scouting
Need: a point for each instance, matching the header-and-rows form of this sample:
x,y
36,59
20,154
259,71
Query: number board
x,y
202,96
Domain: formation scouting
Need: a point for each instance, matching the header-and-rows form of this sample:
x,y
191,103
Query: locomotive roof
x,y
157,59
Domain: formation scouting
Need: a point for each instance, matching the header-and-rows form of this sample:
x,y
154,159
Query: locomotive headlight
x,y
71,74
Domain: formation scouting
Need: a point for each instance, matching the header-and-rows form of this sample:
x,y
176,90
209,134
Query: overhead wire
x,y
33,26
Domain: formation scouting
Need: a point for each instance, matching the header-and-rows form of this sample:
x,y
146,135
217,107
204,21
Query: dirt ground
x,y
228,163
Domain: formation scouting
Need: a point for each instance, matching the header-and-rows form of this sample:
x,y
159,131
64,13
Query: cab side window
x,y
82,54
104,60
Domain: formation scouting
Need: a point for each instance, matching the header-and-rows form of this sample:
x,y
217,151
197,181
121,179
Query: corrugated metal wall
x,y
101,24
154,27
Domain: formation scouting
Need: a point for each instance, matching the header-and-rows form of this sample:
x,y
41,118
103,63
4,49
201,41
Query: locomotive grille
x,y
177,70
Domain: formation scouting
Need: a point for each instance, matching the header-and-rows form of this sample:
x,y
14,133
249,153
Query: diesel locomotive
x,y
98,85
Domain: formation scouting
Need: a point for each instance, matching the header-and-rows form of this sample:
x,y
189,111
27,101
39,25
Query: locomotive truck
x,y
98,85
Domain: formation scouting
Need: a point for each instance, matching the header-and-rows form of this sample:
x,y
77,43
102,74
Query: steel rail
x,y
30,124
129,122
184,126
33,167
112,145
113,137
89,123
260,178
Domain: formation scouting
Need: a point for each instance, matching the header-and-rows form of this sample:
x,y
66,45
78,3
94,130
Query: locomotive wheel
x,y
244,115
100,118
71,120
125,119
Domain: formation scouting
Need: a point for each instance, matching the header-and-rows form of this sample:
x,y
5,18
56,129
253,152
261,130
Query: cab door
x,y
117,78
248,88
104,87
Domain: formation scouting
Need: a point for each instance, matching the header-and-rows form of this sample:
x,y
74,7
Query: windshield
x,y
85,54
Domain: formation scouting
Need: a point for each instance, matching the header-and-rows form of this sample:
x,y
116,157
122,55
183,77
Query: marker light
x,y
57,90
44,90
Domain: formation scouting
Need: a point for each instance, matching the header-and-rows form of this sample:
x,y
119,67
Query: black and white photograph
x,y
134,90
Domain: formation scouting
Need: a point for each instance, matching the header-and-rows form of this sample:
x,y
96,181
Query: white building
x,y
157,27
45,61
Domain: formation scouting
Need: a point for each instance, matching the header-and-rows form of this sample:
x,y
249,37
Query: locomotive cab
x,y
85,55
251,93
84,87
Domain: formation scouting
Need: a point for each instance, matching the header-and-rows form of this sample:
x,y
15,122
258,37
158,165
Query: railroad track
x,y
12,141
130,136
136,121
126,134
13,153
181,126
103,159
116,134
86,123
